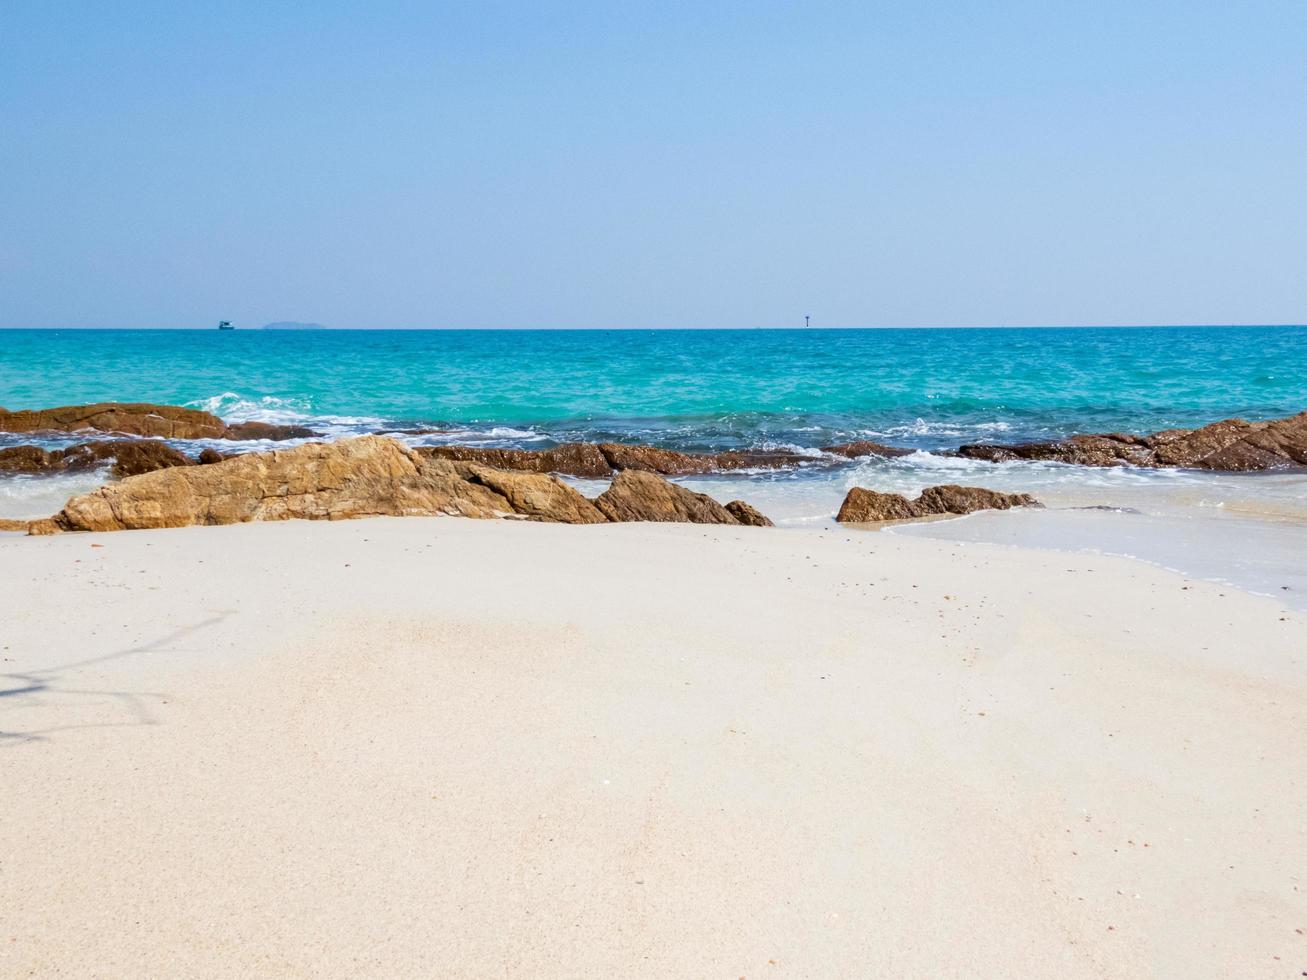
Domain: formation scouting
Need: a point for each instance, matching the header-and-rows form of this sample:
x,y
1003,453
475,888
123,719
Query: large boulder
x,y
636,495
866,506
538,496
134,418
573,458
365,477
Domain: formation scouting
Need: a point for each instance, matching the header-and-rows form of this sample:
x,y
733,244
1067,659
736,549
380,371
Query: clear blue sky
x,y
652,164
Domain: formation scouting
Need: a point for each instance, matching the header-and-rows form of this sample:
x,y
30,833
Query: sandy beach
x,y
441,747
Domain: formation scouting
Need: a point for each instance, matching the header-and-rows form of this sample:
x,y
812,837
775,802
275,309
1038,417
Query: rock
x,y
589,460
364,477
538,496
144,419
747,514
7,524
265,430
28,459
865,506
637,495
651,459
953,499
1085,450
130,457
573,458
137,418
1230,445
45,525
864,447
208,456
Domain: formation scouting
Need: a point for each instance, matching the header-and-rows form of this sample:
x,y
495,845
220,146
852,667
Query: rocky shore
x,y
1231,445
373,476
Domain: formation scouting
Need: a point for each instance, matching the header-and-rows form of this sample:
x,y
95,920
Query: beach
x,y
445,747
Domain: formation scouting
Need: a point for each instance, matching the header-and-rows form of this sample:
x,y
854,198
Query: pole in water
x,y
806,318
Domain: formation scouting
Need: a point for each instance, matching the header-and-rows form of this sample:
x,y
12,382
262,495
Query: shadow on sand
x,y
46,691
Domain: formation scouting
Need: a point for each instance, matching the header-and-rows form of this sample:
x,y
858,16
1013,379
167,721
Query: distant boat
x,y
225,325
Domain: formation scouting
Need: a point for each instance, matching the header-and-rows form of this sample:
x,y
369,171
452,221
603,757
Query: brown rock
x,y
8,524
1228,446
364,477
636,495
130,457
953,499
651,459
28,459
208,456
538,496
265,430
44,526
747,514
573,458
138,419
865,506
1084,450
864,447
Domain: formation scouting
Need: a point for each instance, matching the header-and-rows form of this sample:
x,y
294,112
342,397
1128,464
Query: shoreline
x,y
469,747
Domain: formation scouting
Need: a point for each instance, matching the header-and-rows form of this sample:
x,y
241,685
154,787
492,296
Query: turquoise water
x,y
928,389
692,389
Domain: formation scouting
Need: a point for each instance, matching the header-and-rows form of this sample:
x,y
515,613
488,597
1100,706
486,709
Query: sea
x,y
696,390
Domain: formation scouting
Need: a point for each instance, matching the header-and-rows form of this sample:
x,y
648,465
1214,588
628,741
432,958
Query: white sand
x,y
420,748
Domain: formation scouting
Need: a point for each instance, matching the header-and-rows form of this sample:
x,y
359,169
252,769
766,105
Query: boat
x,y
225,325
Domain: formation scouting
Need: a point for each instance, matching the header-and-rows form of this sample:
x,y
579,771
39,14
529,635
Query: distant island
x,y
293,325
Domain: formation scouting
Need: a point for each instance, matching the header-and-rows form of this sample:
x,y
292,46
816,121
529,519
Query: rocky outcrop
x,y
604,459
266,430
747,514
865,506
572,459
636,495
144,419
537,496
367,477
864,447
130,457
1232,445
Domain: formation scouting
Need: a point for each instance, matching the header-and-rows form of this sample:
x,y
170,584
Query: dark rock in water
x,y
208,455
637,495
865,506
572,459
29,459
1232,445
864,447
266,430
747,514
590,460
136,418
144,419
130,457
1104,450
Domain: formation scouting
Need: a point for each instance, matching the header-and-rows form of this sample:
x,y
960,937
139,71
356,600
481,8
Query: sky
x,y
672,164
